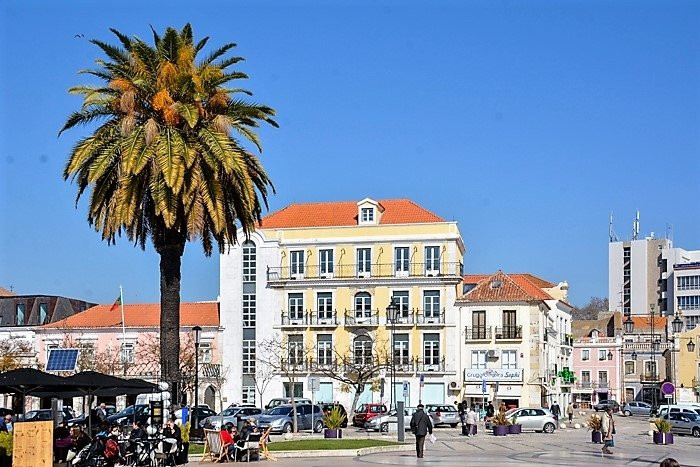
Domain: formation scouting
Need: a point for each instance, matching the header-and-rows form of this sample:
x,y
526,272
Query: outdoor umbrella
x,y
28,381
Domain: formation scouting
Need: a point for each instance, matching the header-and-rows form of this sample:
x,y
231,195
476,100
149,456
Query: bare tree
x,y
263,376
15,353
149,348
359,367
289,357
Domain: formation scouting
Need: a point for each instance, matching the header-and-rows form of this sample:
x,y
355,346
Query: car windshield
x,y
228,412
127,411
279,411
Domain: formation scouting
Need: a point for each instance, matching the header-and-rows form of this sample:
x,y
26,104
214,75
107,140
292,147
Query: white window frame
x,y
634,367
249,256
206,352
296,263
324,309
248,395
604,372
296,349
365,310
402,349
432,265
434,311
404,308
362,349
295,306
512,363
478,359
324,350
656,367
602,355
402,262
248,356
589,381
364,265
430,359
367,215
587,354
249,310
326,265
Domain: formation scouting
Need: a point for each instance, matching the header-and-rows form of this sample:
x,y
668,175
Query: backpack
x,y
111,449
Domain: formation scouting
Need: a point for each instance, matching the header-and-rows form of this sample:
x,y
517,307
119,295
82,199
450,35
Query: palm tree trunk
x,y
170,257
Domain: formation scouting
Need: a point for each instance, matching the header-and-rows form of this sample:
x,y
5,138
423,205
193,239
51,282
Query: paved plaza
x,y
569,447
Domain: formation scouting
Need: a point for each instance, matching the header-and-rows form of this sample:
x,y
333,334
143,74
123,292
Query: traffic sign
x,y
405,389
422,380
668,388
668,396
314,383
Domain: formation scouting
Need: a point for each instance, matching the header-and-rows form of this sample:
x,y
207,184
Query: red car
x,y
367,412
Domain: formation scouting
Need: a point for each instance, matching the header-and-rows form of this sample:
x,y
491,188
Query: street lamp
x,y
197,336
628,325
391,312
610,355
677,324
634,355
691,345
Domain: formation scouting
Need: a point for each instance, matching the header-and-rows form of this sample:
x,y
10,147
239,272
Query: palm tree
x,y
164,163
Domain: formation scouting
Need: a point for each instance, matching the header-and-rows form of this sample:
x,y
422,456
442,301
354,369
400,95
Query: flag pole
x,y
121,299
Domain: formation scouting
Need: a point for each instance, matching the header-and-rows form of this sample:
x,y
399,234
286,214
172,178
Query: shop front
x,y
494,384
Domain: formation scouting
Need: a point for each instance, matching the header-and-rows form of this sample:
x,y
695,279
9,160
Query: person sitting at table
x,y
227,434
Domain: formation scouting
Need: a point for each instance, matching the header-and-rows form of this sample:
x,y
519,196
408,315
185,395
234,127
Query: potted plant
x,y
332,421
5,449
595,425
514,428
662,432
500,424
182,456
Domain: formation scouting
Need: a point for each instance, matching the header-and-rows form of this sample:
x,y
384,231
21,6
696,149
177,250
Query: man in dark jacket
x,y
421,426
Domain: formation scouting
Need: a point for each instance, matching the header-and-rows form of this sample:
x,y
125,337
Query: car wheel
x,y
696,432
318,427
384,427
287,428
548,428
453,425
627,413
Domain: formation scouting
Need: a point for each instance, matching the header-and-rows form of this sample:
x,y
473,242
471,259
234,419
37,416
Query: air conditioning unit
x,y
494,354
454,385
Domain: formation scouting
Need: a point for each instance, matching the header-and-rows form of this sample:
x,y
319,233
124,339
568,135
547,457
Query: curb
x,y
331,452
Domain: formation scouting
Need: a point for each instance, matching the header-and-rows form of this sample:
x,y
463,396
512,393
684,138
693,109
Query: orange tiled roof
x,y
140,316
513,288
537,281
6,293
344,213
644,322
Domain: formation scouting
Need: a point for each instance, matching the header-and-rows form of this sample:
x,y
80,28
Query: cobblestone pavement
x,y
569,447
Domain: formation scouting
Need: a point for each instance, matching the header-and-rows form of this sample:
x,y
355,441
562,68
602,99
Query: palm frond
x,y
123,38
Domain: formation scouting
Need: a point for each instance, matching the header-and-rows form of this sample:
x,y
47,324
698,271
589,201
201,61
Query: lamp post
x,y
653,355
197,336
391,312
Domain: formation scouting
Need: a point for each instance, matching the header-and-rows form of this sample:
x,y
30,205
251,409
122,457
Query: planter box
x,y
500,430
596,437
663,438
515,429
333,434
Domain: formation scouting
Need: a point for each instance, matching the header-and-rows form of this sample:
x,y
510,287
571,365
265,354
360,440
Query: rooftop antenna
x,y
611,232
635,227
669,232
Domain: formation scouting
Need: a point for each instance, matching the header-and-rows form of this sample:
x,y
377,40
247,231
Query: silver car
x,y
684,423
636,408
232,415
281,418
443,414
535,419
381,422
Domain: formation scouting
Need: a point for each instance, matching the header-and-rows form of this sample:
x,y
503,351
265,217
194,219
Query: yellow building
x,y
688,365
319,278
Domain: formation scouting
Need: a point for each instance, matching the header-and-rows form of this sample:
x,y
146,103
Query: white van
x,y
679,408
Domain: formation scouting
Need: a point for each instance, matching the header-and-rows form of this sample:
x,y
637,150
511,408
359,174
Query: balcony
x,y
322,364
431,366
321,318
567,341
294,365
362,318
405,318
584,385
648,377
477,333
424,317
294,319
355,271
509,333
602,384
404,365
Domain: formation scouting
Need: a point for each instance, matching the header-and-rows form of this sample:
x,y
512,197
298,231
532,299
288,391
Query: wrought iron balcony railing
x,y
437,366
649,377
323,318
430,317
363,271
509,333
477,333
295,319
361,317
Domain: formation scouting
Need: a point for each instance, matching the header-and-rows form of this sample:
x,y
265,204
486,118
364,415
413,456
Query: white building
x,y
319,277
517,340
680,284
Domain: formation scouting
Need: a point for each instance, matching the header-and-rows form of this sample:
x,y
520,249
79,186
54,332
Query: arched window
x,y
362,350
249,261
363,305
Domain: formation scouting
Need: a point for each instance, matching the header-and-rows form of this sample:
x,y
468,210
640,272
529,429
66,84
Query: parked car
x,y
535,419
281,418
232,414
328,407
684,423
603,405
636,408
679,408
286,400
366,412
141,413
43,414
82,419
382,422
202,413
443,414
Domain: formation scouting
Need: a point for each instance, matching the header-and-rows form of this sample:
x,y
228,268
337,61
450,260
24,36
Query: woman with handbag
x,y
608,429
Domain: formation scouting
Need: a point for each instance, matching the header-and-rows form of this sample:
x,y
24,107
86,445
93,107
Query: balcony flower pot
x,y
515,429
663,438
333,434
500,430
596,437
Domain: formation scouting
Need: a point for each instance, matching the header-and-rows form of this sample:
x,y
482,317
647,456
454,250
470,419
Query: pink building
x,y
133,350
598,360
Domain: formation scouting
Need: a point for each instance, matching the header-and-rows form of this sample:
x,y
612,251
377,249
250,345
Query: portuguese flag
x,y
117,302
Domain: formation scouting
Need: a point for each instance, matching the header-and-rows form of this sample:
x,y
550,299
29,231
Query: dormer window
x,y
367,215
369,212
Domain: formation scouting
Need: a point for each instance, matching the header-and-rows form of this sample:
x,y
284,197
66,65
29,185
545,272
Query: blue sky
x,y
526,121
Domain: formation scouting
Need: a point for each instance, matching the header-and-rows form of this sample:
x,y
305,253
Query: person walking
x,y
471,421
102,412
570,411
420,427
608,430
490,410
556,410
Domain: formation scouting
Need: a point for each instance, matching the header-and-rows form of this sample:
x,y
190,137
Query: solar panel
x,y
62,360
